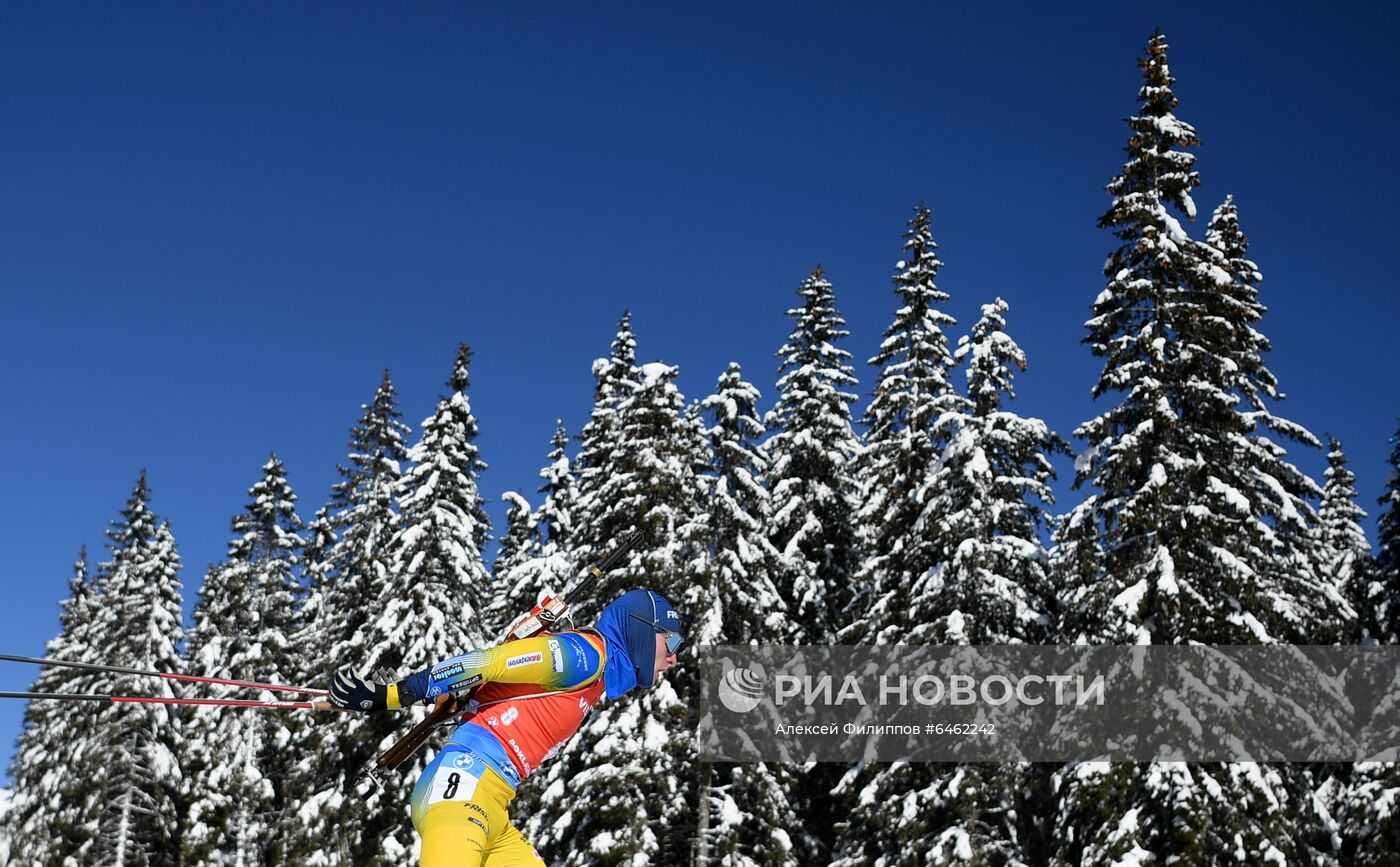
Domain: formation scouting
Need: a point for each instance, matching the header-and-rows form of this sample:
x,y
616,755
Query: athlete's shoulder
x,y
584,652
593,636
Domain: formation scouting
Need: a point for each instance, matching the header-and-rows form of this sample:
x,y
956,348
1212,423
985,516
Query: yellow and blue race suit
x,y
533,695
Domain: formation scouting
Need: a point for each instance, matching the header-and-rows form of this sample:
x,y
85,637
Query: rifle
x,y
547,614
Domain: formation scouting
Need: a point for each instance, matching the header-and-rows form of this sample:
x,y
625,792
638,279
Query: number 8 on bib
x,y
452,784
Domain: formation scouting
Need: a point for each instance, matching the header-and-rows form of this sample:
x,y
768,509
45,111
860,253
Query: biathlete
x,y
533,695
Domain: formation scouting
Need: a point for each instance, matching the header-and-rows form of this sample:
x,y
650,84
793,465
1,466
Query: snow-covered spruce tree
x,y
745,816
1369,822
48,812
235,760
1383,597
746,562
902,447
131,763
1197,502
520,572
555,517
1371,805
602,447
811,480
337,827
439,586
1202,525
521,540
1348,553
1306,606
316,560
537,554
903,443
1389,524
984,501
432,603
7,798
625,791
810,475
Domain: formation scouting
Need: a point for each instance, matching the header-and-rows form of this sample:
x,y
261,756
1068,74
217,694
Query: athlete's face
x,y
665,657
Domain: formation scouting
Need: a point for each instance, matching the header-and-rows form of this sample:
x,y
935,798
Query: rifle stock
x,y
403,749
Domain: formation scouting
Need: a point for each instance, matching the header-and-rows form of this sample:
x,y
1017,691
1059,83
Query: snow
x,y
655,372
1237,501
1158,477
1166,572
728,812
1174,231
1129,600
956,626
953,844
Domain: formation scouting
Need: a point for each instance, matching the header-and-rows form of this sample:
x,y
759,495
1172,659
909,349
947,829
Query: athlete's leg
x,y
459,809
453,836
511,849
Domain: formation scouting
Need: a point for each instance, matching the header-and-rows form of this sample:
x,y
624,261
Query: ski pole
x,y
147,699
190,678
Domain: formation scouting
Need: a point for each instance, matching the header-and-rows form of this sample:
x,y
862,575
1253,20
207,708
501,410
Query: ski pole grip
x,y
325,705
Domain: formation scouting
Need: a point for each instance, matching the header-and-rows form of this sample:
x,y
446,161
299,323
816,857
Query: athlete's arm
x,y
554,662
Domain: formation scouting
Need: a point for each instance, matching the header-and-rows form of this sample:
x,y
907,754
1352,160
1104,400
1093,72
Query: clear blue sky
x,y
218,225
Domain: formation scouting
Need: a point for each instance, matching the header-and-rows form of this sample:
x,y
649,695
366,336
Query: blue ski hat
x,y
629,626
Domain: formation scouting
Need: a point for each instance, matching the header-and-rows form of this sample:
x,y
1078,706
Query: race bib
x,y
452,784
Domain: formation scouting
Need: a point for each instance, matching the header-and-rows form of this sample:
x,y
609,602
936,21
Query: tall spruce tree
x,y
1383,606
522,537
1370,823
741,806
1306,607
1197,503
555,517
631,775
434,601
987,500
235,788
602,448
810,474
746,562
1204,529
985,503
522,572
432,604
339,827
50,817
537,552
903,443
7,798
1348,553
135,754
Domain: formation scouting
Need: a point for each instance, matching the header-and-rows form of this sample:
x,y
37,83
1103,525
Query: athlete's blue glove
x,y
349,690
